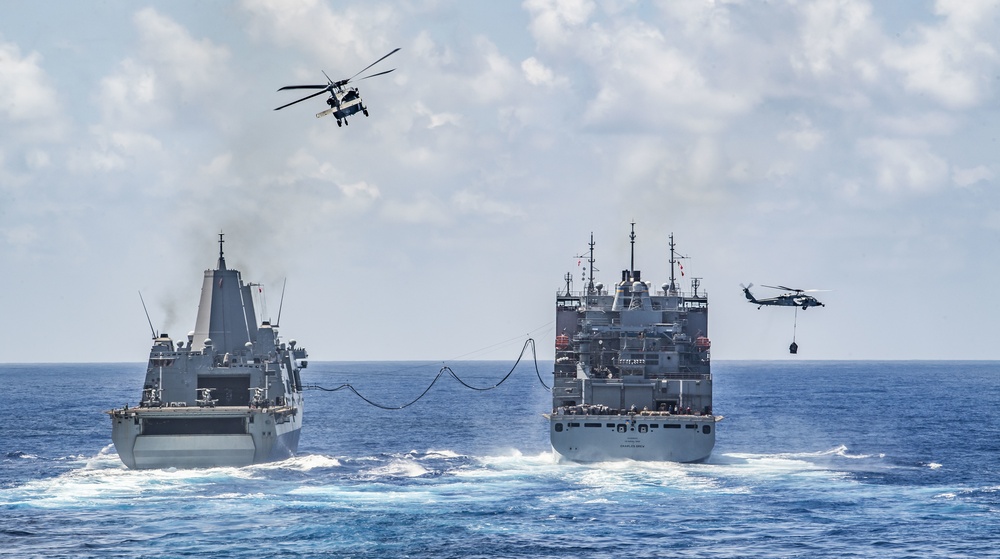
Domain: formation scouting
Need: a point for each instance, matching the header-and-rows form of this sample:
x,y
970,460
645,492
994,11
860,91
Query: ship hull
x,y
599,438
148,438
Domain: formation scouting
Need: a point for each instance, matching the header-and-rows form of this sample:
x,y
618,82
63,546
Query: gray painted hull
x,y
600,438
632,377
230,396
269,435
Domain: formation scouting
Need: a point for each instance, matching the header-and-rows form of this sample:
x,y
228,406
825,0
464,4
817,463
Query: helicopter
x,y
343,101
792,297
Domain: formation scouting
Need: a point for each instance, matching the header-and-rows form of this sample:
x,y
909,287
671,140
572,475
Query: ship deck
x,y
218,411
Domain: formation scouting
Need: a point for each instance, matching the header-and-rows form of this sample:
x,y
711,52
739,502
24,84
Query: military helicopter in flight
x,y
343,101
791,298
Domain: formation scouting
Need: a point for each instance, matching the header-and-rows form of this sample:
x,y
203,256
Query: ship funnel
x,y
225,312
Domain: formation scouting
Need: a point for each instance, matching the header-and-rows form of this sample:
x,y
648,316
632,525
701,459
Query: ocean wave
x,y
438,454
301,463
397,468
841,451
22,455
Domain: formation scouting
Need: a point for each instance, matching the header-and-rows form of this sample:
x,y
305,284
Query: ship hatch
x,y
227,390
194,426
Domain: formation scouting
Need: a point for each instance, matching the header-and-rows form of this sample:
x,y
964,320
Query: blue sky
x,y
840,145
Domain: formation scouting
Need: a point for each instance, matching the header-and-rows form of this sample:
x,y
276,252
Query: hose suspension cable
x,y
441,372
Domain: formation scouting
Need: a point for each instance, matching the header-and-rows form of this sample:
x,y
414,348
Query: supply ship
x,y
232,396
632,374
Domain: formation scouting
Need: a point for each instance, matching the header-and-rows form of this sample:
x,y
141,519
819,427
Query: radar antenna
x,y
282,302
151,329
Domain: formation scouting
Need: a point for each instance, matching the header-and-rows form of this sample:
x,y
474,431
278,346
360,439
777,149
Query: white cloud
x,y
436,119
478,203
646,81
113,150
341,38
537,73
422,210
903,164
361,190
28,100
497,77
38,159
196,66
835,36
20,237
919,124
969,177
130,95
954,62
219,167
555,22
804,135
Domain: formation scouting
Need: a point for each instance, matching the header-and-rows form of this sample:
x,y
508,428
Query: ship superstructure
x,y
231,396
632,375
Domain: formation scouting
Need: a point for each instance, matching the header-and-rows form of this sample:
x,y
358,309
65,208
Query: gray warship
x,y
632,373
231,397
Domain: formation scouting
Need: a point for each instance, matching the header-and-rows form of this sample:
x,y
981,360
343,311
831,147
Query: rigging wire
x,y
795,323
498,344
444,369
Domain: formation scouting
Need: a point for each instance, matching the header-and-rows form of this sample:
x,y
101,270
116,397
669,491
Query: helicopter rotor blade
x,y
303,87
373,75
303,99
373,63
783,287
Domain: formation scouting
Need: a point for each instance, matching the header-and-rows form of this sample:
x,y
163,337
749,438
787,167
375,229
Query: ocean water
x,y
814,459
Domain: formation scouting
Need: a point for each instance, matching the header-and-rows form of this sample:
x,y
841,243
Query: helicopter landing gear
x,y
365,111
338,123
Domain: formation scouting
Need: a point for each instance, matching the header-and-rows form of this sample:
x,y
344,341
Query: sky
x,y
845,145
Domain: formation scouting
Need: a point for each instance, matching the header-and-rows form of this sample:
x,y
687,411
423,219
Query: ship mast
x,y
673,285
631,266
590,280
222,261
674,257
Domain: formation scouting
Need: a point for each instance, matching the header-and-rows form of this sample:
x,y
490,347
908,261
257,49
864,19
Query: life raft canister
x,y
703,343
562,341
